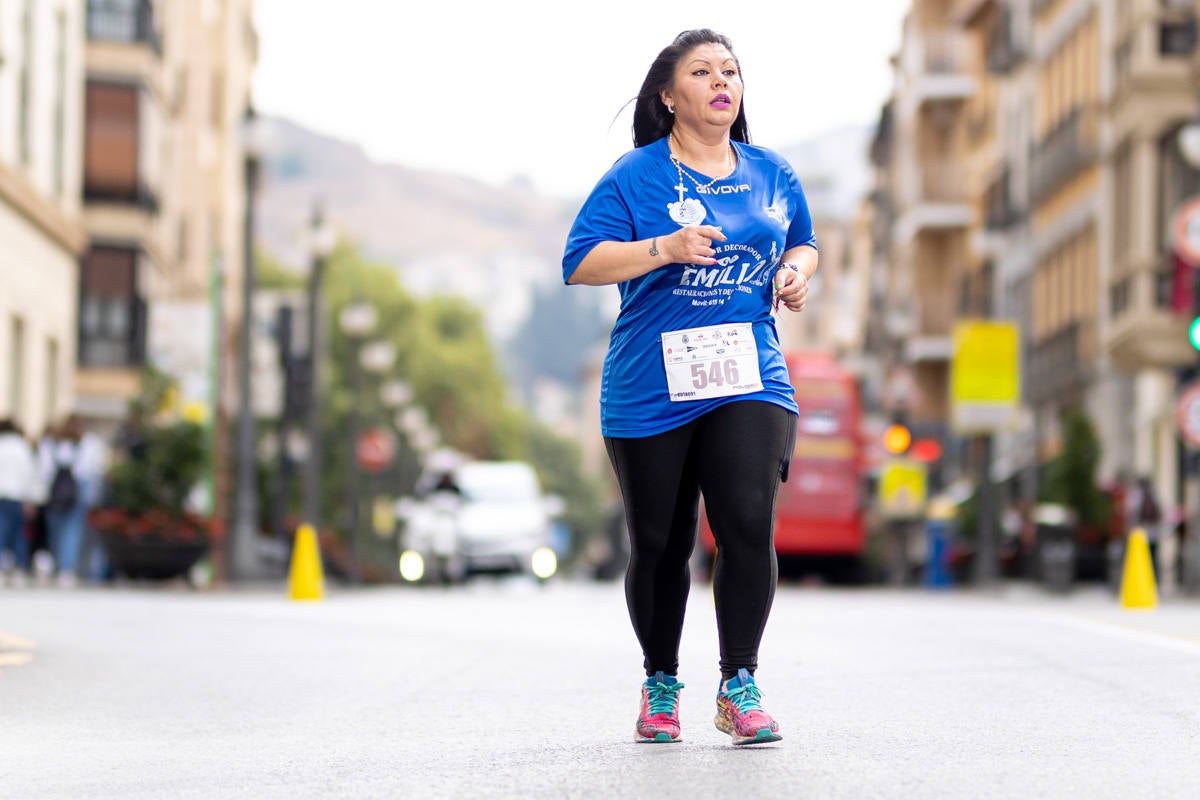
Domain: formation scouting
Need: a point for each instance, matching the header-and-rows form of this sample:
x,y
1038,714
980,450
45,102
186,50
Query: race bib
x,y
717,361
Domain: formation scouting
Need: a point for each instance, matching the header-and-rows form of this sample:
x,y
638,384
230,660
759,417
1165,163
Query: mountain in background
x,y
834,169
499,246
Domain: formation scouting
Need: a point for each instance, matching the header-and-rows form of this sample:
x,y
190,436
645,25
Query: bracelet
x,y
789,265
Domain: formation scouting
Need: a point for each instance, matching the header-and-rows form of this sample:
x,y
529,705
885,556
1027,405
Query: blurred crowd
x,y
47,487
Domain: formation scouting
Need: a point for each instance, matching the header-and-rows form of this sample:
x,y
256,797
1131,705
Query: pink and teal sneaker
x,y
740,714
659,718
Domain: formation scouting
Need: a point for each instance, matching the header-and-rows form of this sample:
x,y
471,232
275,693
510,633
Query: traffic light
x,y
897,438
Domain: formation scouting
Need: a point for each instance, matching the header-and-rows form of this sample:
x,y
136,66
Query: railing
x,y
140,195
1157,289
112,332
124,21
944,52
1001,210
1064,152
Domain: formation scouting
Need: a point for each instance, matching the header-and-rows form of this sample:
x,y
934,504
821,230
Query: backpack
x,y
64,489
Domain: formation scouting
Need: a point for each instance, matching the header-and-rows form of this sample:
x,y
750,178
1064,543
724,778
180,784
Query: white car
x,y
487,516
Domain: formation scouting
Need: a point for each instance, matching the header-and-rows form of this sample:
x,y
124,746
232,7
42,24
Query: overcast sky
x,y
496,90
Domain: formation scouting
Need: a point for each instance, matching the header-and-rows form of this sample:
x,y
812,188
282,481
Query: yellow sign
x,y
902,488
985,376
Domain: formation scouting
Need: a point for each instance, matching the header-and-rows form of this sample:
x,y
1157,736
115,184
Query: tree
x,y
443,352
1071,475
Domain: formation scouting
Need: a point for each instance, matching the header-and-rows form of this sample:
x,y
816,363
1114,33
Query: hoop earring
x,y
670,109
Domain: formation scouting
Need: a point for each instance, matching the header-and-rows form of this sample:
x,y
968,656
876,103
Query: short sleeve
x,y
605,217
801,230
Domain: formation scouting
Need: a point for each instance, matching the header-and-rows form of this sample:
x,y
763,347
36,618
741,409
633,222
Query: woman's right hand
x,y
692,245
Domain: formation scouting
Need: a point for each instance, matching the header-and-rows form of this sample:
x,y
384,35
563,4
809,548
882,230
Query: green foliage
x,y
164,456
445,355
270,274
559,465
1071,476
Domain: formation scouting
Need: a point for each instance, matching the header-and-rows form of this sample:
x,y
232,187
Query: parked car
x,y
477,517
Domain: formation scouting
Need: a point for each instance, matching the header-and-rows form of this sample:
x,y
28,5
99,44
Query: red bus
x,y
820,509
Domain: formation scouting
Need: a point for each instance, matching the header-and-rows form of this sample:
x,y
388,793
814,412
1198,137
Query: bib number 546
x,y
717,373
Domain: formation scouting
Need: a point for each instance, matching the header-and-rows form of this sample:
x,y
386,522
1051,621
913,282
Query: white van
x,y
499,518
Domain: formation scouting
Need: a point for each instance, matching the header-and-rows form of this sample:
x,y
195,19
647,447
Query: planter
x,y
151,558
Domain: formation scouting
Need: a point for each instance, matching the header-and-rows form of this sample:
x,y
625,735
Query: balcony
x,y
105,343
1145,328
941,69
936,201
123,22
1065,152
1153,62
140,196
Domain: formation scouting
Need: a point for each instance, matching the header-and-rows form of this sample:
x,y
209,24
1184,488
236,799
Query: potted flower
x,y
148,525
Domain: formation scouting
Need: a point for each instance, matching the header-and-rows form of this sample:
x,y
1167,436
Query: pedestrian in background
x,y
72,465
705,236
1143,511
20,492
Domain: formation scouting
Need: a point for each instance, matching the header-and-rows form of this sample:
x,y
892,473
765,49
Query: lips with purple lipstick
x,y
721,101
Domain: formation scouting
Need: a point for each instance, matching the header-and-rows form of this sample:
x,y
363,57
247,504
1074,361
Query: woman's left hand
x,y
791,289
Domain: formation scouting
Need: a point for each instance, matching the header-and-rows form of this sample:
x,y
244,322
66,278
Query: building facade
x,y
167,88
41,235
1055,124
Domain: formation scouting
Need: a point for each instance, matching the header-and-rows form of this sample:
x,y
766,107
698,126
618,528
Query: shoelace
x,y
663,696
745,697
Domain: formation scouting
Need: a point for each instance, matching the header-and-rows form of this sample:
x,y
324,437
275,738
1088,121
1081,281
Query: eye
x,y
730,73
700,73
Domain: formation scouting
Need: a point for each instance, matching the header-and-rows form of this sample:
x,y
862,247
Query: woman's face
x,y
707,89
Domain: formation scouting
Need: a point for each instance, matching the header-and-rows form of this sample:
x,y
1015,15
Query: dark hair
x,y
651,120
8,426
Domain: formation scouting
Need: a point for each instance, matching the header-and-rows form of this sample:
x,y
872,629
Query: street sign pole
x,y
985,396
1187,416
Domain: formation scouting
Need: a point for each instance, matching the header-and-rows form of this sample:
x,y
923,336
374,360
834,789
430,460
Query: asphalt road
x,y
505,689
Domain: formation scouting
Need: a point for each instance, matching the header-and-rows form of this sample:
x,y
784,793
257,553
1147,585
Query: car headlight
x,y
412,566
543,562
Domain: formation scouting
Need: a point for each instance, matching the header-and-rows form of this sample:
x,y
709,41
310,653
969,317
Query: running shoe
x,y
740,713
659,719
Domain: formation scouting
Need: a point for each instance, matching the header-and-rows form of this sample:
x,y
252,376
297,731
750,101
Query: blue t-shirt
x,y
762,211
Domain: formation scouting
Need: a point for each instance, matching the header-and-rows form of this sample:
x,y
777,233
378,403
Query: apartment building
x,y
41,236
921,215
167,88
1060,123
1152,94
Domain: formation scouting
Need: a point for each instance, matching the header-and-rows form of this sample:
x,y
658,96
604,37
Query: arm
x,y
791,286
614,262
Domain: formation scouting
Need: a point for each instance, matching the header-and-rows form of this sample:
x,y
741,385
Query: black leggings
x,y
735,455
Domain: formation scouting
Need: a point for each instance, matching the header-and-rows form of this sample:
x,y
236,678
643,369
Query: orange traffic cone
x,y
1138,589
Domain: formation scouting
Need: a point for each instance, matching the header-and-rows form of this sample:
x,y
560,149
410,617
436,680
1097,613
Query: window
x,y
51,400
16,377
110,168
111,314
24,86
128,21
60,102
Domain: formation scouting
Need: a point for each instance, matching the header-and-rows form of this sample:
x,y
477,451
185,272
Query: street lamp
x,y
357,321
322,240
243,556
